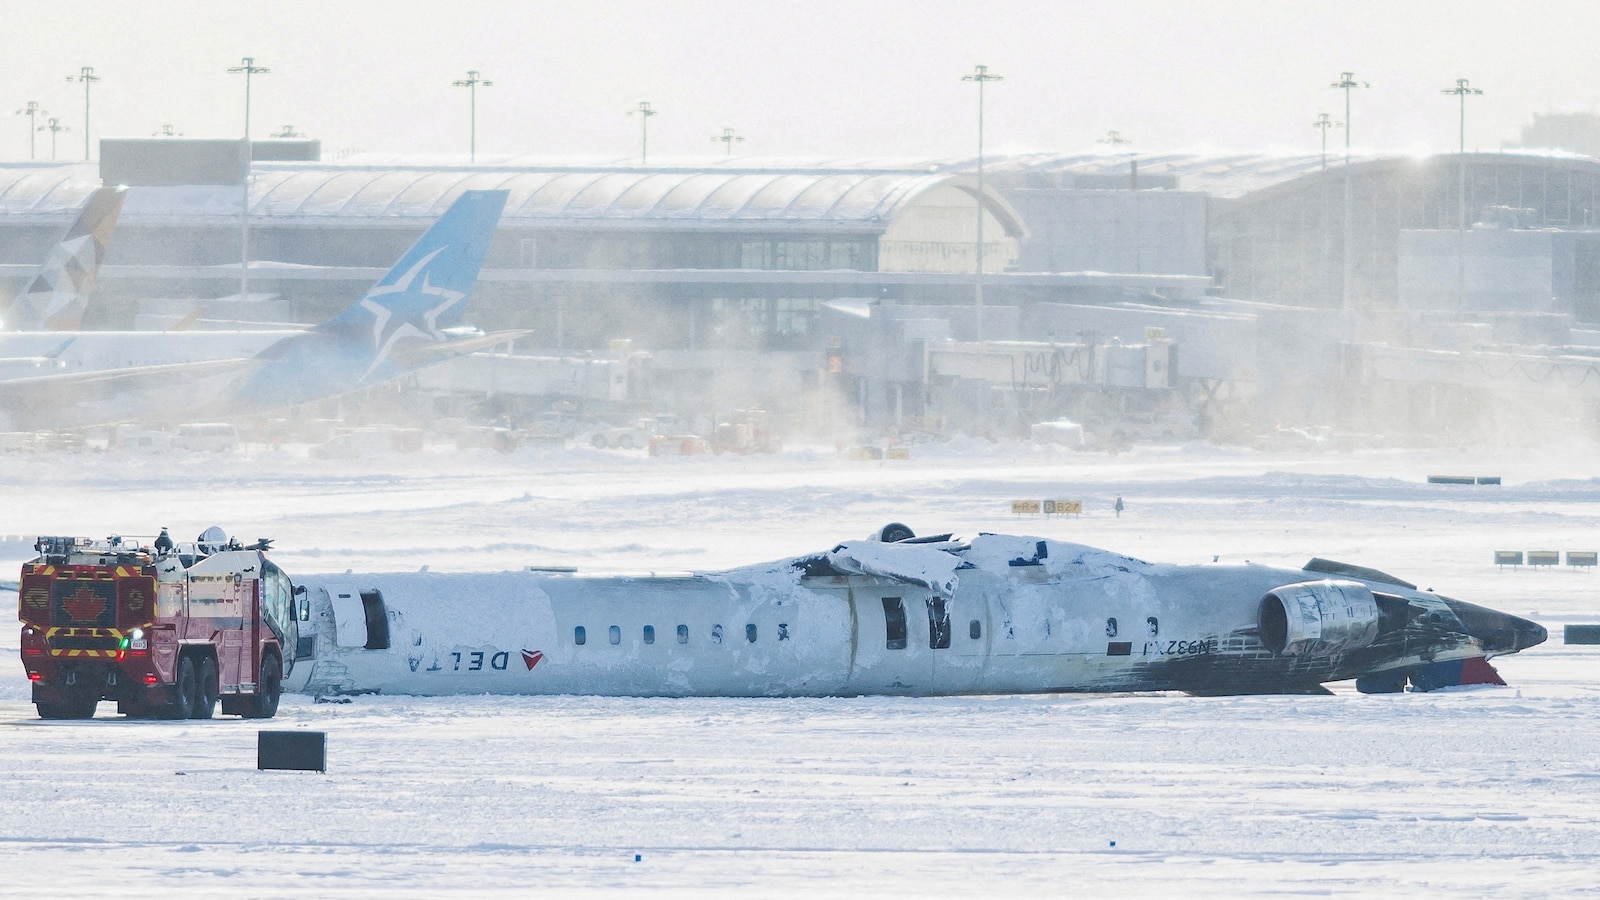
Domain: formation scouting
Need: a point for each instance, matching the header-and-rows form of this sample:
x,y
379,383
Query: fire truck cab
x,y
166,633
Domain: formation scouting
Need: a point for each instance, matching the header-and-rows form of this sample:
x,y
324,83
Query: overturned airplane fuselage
x,y
997,614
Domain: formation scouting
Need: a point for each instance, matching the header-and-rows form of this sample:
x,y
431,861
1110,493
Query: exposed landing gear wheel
x,y
599,441
625,442
264,705
183,704
205,696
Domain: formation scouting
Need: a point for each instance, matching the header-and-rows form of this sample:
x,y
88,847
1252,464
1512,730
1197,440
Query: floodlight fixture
x,y
472,82
981,76
728,137
645,112
247,67
54,126
33,111
88,77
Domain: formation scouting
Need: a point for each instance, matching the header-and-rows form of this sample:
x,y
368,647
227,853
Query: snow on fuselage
x,y
993,616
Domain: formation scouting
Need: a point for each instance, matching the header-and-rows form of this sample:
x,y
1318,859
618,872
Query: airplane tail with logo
x,y
58,295
408,319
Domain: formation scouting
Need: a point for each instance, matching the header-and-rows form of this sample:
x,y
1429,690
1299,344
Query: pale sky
x,y
813,79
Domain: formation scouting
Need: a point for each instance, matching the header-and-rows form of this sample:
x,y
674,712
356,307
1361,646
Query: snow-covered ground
x,y
1472,791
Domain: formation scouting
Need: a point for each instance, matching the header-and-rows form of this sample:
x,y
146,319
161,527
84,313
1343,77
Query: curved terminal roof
x,y
840,194
815,198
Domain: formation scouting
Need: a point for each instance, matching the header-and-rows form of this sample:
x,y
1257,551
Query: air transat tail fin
x,y
424,293
403,321
57,296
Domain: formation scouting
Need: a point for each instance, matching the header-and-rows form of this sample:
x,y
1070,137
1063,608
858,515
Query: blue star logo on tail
x,y
406,310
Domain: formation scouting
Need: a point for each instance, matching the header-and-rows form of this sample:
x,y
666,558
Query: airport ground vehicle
x,y
164,630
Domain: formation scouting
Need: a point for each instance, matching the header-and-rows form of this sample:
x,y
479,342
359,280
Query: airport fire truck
x,y
166,630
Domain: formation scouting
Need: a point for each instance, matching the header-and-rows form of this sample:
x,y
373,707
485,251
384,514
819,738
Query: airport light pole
x,y
981,75
1115,141
645,112
246,67
471,83
1347,82
88,77
33,111
1461,90
1322,124
728,138
54,126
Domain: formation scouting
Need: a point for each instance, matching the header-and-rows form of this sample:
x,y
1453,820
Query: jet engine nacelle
x,y
1317,616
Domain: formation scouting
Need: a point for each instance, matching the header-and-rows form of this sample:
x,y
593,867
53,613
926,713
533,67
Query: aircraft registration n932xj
x,y
914,616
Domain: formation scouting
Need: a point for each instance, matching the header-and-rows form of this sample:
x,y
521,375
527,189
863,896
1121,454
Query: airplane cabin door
x,y
958,632
892,641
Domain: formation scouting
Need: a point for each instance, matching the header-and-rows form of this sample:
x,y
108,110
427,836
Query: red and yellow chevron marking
x,y
113,636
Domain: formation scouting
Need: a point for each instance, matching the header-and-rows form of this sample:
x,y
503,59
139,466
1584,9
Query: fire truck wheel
x,y
599,441
205,704
264,705
183,704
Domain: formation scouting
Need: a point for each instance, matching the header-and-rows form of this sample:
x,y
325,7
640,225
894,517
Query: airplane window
x,y
649,634
938,624
750,632
616,634
683,634
1111,627
975,630
579,636
783,631
1155,627
894,623
716,634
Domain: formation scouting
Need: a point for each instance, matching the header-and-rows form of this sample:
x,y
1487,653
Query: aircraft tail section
x,y
424,293
407,319
57,296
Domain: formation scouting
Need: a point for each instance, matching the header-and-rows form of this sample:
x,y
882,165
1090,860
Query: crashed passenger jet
x,y
918,616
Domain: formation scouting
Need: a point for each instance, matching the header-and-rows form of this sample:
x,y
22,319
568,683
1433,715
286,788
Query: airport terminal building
x,y
1232,259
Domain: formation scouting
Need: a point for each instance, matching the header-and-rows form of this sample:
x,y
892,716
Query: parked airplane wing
x,y
417,355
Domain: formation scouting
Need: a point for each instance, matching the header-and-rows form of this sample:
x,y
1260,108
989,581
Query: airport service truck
x,y
166,630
